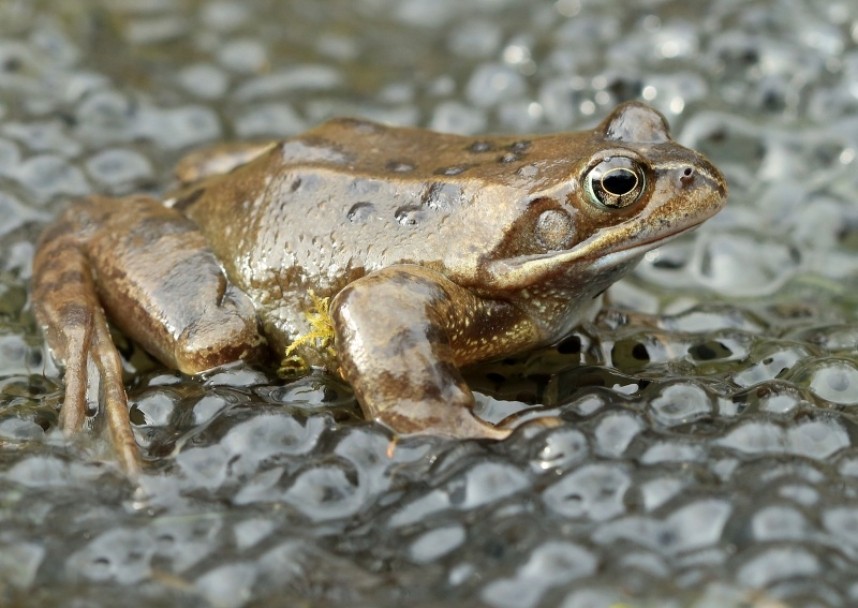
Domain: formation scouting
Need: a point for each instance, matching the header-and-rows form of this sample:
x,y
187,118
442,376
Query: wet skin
x,y
391,256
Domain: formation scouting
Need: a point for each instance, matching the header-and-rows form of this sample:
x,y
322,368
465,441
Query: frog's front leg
x,y
402,334
150,270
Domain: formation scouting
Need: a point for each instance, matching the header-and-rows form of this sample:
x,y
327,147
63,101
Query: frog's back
x,y
360,147
350,197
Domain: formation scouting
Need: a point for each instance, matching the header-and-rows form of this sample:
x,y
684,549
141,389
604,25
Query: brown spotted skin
x,y
436,251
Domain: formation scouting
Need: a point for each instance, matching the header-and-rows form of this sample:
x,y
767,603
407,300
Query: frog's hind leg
x,y
67,307
217,160
149,270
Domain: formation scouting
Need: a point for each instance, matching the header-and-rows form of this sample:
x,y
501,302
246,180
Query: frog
x,y
394,257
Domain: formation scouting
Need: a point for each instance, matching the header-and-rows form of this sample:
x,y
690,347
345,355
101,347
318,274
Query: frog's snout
x,y
702,176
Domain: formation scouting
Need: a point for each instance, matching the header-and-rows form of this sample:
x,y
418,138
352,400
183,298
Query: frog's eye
x,y
615,182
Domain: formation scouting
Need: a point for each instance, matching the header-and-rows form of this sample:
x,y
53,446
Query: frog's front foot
x,y
402,333
451,418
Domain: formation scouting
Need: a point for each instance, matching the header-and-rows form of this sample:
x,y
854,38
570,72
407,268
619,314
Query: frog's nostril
x,y
687,176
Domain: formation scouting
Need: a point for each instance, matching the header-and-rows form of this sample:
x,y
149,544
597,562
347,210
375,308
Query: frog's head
x,y
630,189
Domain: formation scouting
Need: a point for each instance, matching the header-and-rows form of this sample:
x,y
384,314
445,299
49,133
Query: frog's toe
x,y
451,421
549,422
541,422
94,361
534,420
469,427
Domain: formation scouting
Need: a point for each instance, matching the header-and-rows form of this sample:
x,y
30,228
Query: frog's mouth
x,y
593,256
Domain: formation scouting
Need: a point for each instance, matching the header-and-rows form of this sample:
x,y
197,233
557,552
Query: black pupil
x,y
619,182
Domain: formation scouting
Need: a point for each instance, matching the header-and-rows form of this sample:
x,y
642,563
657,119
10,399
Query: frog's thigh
x,y
402,334
163,287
